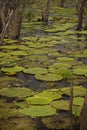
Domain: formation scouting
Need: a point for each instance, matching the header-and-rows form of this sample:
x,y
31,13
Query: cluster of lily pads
x,y
51,55
40,104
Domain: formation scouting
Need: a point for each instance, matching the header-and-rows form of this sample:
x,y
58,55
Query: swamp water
x,y
36,75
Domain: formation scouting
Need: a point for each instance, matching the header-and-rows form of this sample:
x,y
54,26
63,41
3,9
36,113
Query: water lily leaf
x,y
10,47
66,73
60,104
19,53
35,71
65,59
38,58
39,100
49,77
52,94
80,71
16,92
12,70
38,111
77,110
3,54
78,91
59,65
78,101
56,122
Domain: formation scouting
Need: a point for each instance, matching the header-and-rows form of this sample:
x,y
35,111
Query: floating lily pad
x,y
56,122
49,77
35,71
38,58
16,92
66,73
65,59
6,81
60,105
78,91
12,70
80,71
59,65
19,53
78,101
77,110
39,100
52,94
38,111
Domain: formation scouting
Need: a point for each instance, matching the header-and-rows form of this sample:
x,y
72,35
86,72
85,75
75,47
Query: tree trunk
x,y
62,2
83,116
45,14
17,21
80,11
14,5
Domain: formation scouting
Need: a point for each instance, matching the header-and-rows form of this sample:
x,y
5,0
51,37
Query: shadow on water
x,y
36,85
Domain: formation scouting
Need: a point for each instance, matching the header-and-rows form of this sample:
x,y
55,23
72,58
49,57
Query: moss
x,y
56,122
19,123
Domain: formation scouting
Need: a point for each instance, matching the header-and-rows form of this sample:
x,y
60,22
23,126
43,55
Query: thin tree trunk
x,y
45,14
71,104
62,2
83,116
80,11
5,28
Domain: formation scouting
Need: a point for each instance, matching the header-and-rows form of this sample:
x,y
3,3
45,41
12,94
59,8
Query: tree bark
x,y
80,11
45,14
14,5
83,116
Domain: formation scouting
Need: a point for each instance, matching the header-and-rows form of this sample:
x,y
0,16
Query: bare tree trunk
x,y
71,104
62,2
17,21
80,11
45,14
5,28
83,116
85,22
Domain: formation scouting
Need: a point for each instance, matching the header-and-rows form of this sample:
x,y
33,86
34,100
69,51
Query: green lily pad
x,y
19,53
39,100
60,105
56,122
38,111
77,91
77,110
78,101
16,92
51,93
65,59
59,65
35,71
49,77
12,70
81,71
66,73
